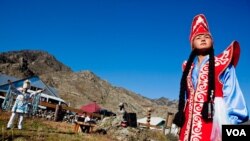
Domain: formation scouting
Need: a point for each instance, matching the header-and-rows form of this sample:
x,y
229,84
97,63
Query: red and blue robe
x,y
226,88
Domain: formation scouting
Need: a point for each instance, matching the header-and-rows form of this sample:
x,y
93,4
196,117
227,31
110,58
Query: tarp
x,y
92,107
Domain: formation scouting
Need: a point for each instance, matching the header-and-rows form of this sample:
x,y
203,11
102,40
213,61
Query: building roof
x,y
157,121
35,82
4,78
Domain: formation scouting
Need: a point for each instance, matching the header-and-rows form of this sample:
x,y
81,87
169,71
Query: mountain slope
x,y
79,88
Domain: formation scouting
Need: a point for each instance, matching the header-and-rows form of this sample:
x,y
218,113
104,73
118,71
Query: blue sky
x,y
136,44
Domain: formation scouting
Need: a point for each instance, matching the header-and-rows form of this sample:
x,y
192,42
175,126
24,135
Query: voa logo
x,y
236,132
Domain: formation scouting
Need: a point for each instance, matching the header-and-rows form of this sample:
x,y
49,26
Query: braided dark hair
x,y
179,116
207,109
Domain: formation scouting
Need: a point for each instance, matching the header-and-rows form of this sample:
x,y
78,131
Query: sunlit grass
x,y
40,130
36,129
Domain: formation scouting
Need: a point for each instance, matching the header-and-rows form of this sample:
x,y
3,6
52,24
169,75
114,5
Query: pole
x,y
148,117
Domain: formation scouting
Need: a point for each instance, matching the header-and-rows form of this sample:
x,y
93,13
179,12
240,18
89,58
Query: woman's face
x,y
202,41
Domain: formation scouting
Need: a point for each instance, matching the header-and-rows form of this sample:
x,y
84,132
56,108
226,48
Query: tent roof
x,y
92,107
153,120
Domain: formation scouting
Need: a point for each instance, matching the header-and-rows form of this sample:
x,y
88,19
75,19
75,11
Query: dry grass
x,y
40,130
35,129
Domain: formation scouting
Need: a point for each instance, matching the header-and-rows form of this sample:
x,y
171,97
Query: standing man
x,y
20,106
210,94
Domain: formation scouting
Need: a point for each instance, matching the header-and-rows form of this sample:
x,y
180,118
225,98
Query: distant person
x,y
210,94
87,119
21,104
122,110
123,114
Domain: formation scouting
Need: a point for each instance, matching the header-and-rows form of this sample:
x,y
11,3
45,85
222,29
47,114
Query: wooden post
x,y
57,111
170,118
169,121
76,127
163,129
148,117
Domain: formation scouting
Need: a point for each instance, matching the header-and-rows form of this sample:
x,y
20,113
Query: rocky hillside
x,y
79,88
28,62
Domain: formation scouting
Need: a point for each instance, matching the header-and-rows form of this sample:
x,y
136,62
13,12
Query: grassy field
x,y
36,129
41,130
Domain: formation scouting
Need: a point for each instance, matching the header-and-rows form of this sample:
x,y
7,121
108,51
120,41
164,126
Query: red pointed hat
x,y
199,26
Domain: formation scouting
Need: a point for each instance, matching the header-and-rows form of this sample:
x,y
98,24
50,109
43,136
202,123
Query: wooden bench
x,y
79,125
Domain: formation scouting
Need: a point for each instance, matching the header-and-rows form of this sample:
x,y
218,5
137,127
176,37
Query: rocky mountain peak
x,y
25,63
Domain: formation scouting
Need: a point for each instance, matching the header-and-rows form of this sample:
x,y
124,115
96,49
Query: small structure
x,y
155,122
